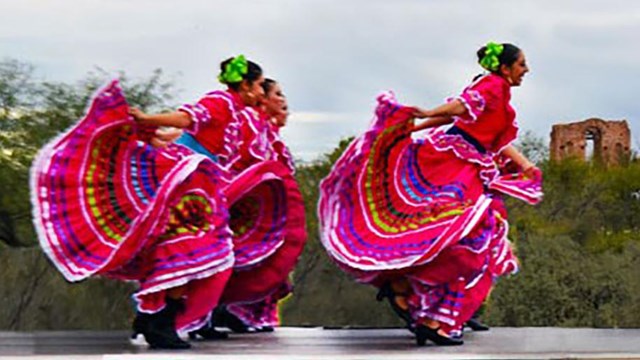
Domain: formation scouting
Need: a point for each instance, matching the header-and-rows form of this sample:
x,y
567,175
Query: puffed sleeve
x,y
485,94
209,108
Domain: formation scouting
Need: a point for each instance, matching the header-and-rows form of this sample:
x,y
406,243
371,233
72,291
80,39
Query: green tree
x,y
33,111
533,147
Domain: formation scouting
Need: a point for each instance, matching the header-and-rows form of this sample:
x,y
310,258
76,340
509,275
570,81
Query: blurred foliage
x,y
579,249
32,112
36,297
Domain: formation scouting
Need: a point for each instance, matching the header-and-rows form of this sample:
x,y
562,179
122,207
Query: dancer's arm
x,y
433,122
178,119
165,136
452,108
168,134
520,160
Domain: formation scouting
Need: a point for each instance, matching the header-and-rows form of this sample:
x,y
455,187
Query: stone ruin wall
x,y
611,141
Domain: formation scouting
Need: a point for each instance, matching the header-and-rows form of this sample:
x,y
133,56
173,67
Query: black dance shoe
x,y
222,317
159,329
387,292
384,292
265,329
424,333
476,325
208,332
139,324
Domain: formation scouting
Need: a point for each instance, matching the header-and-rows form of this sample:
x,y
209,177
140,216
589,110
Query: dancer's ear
x,y
244,86
505,72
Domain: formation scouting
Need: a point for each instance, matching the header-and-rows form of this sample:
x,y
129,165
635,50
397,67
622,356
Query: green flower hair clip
x,y
490,59
234,70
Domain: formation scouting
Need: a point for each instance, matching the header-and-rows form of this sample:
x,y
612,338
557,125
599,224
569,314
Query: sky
x,y
332,57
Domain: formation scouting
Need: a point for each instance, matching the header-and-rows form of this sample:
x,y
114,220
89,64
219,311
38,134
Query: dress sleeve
x,y
484,94
205,111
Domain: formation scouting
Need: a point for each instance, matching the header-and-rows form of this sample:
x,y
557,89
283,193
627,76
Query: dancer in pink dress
x,y
419,219
107,203
267,219
263,143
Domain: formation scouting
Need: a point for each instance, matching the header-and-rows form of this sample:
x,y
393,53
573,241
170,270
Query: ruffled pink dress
x,y
426,210
106,203
268,220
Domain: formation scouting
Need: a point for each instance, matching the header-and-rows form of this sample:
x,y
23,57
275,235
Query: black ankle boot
x,y
159,329
265,329
223,317
476,325
387,292
139,324
208,332
423,333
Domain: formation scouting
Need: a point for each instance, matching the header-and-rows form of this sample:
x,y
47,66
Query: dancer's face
x,y
252,93
275,104
516,71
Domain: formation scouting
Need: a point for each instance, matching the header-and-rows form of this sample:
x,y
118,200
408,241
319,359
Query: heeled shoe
x,y
387,292
265,329
159,328
476,325
223,317
208,332
139,324
424,333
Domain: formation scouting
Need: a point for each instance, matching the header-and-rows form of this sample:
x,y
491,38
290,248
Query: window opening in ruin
x,y
592,144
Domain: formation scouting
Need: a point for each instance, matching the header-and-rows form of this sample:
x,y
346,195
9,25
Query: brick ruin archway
x,y
593,139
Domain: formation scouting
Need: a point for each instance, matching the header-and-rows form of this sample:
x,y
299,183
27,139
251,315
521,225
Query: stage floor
x,y
319,343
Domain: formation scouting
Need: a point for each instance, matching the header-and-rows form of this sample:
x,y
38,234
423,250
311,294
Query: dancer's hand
x,y
157,143
421,113
170,134
165,136
137,114
533,172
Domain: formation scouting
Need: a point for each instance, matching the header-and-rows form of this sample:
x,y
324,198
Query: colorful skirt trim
x,y
106,203
391,202
268,222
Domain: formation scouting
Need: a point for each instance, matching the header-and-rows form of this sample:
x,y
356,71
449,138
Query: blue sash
x,y
190,142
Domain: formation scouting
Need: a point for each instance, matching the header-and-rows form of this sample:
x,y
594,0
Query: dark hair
x,y
254,71
508,56
267,84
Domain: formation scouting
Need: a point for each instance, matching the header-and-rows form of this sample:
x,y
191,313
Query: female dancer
x,y
251,312
213,128
419,219
106,203
212,124
267,219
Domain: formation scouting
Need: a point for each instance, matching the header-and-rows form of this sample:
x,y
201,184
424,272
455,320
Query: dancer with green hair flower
x,y
421,218
265,205
212,128
212,123
106,203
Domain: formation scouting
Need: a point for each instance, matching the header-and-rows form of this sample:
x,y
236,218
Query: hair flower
x,y
490,59
234,70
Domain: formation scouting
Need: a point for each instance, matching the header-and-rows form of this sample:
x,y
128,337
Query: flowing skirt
x,y
426,211
106,203
268,221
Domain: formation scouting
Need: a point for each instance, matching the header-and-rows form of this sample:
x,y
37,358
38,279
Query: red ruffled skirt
x,y
268,221
106,203
426,211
